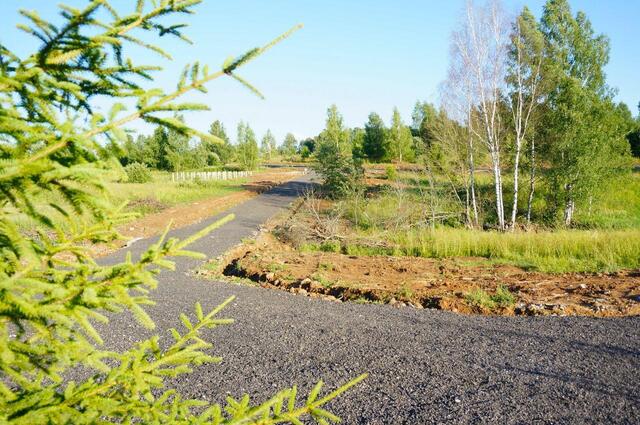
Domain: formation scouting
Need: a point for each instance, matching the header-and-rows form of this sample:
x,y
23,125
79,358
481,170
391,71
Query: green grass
x,y
607,237
547,251
274,267
150,197
404,292
318,277
616,207
164,192
502,298
326,267
480,298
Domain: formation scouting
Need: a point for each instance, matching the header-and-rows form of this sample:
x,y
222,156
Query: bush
x,y
341,174
391,172
138,173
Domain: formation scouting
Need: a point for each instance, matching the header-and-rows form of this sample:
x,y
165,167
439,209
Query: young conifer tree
x,y
53,167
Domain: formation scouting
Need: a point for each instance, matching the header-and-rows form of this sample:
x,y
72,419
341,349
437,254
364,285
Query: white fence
x,y
182,176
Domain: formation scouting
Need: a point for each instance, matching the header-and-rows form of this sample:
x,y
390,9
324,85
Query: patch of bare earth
x,y
431,283
186,214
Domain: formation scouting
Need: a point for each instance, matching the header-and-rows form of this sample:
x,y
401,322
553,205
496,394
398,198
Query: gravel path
x,y
425,366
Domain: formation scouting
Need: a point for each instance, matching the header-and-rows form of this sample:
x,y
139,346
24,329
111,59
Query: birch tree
x,y
248,152
524,78
399,139
480,47
268,145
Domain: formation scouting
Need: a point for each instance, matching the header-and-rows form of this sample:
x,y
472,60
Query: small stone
x,y
457,400
583,286
534,309
302,291
269,276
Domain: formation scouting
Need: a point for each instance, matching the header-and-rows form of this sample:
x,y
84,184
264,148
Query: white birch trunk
x,y
532,177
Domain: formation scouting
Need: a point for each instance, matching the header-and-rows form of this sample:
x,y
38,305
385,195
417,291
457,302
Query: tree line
x,y
168,149
526,99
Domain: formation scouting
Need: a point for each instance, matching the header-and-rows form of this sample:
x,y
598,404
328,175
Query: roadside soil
x,y
428,283
184,215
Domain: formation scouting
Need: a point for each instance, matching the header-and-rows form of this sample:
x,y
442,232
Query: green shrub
x,y
391,172
138,173
480,298
341,175
503,297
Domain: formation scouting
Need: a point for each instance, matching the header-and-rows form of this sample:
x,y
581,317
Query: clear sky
x,y
363,55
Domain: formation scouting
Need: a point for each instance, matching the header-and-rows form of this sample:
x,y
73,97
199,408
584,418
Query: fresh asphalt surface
x,y
425,366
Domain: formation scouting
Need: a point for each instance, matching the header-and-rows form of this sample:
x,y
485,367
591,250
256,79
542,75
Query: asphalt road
x,y
425,366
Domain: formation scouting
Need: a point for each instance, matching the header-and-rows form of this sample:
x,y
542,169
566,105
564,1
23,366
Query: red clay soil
x,y
422,282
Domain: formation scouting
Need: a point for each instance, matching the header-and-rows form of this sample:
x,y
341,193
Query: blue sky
x,y
362,55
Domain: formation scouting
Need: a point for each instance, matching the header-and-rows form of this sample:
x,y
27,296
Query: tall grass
x,y
608,237
553,252
558,251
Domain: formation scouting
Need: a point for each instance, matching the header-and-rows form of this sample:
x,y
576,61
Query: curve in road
x,y
425,366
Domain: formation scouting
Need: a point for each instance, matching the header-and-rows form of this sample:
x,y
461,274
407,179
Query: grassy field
x,y
145,198
557,251
395,221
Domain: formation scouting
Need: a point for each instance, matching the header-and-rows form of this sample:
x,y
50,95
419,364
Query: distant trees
x,y
375,138
422,119
400,141
221,151
247,147
169,150
268,145
335,132
633,136
341,173
165,149
289,146
307,147
395,143
356,139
